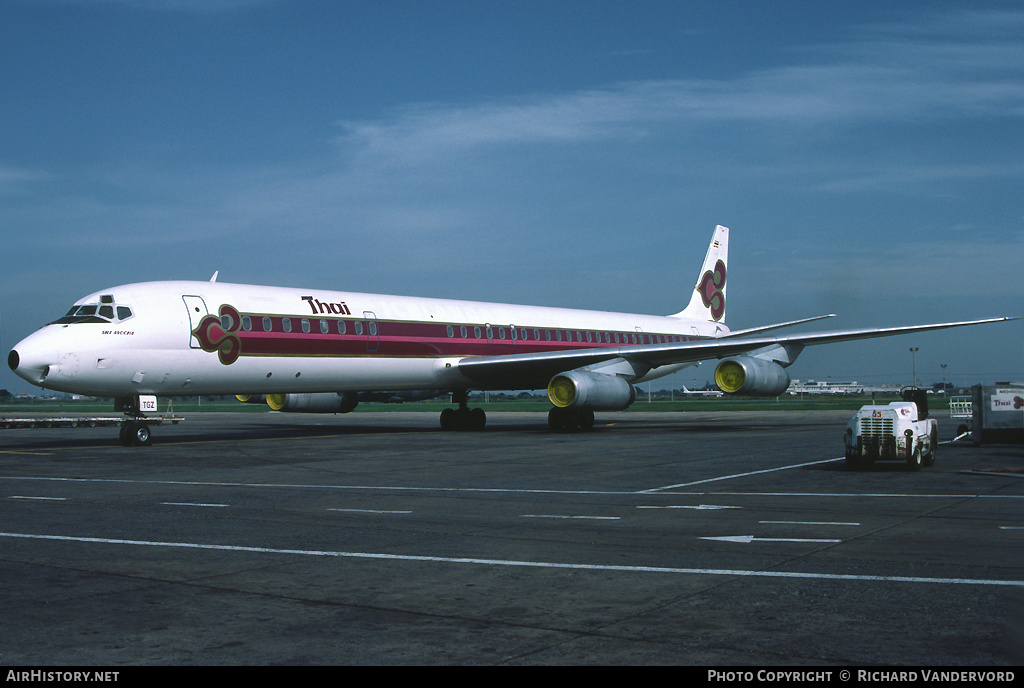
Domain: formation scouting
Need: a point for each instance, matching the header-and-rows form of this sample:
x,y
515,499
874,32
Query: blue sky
x,y
867,157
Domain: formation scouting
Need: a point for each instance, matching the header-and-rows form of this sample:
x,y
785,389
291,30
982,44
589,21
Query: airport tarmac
x,y
712,539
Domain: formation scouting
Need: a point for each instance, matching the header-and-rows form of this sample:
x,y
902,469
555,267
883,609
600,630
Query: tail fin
x,y
708,300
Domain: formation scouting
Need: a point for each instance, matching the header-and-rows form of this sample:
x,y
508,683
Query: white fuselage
x,y
183,338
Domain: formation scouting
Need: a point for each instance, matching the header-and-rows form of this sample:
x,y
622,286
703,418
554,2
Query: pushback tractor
x,y
899,431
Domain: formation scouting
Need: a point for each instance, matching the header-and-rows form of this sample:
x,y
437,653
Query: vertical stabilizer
x,y
708,300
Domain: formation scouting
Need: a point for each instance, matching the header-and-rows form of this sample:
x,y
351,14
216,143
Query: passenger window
x,y
246,322
341,327
476,331
463,332
305,325
451,331
536,335
267,325
324,326
286,324
359,327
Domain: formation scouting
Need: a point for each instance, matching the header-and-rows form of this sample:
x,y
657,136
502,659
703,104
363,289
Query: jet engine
x,y
323,402
582,390
753,376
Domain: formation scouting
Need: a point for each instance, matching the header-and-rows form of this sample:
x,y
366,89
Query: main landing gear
x,y
570,420
462,418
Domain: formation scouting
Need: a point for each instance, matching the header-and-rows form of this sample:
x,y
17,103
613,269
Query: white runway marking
x,y
192,504
747,539
591,518
739,475
814,523
49,499
515,563
371,511
699,507
494,490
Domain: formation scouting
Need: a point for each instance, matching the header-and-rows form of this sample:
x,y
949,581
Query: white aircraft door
x,y
196,311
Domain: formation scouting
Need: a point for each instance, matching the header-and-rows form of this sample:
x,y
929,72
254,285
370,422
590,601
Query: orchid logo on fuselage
x,y
220,334
712,290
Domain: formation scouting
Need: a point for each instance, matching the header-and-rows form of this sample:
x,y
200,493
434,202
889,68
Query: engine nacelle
x,y
581,390
323,402
753,376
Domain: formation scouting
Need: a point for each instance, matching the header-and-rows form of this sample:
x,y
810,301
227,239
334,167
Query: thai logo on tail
x,y
712,290
219,334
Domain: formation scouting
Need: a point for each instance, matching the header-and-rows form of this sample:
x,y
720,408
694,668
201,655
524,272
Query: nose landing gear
x,y
135,430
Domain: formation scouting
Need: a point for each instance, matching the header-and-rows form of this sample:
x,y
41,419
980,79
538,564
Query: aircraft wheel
x,y
135,434
463,419
142,437
570,420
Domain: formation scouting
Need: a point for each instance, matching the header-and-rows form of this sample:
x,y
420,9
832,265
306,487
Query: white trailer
x,y
134,424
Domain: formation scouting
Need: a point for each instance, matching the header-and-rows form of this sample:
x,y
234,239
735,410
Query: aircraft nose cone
x,y
29,365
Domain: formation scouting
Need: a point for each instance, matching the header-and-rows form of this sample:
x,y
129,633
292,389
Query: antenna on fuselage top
x,y
214,278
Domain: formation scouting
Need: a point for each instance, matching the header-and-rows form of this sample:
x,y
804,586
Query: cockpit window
x,y
96,313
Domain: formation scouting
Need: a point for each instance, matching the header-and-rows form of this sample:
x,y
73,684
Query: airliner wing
x,y
534,370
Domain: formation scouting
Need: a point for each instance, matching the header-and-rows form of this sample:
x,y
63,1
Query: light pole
x,y
943,366
913,356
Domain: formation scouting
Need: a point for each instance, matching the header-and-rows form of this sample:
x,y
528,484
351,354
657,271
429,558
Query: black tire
x,y
853,462
135,434
929,459
914,459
